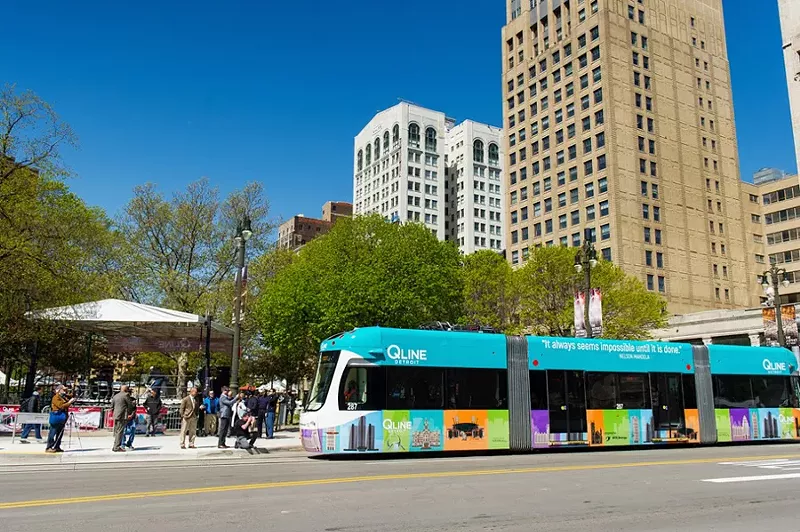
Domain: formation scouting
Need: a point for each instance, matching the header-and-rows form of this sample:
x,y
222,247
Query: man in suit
x,y
225,416
189,410
124,410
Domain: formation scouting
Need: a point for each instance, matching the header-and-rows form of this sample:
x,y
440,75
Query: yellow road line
x,y
372,478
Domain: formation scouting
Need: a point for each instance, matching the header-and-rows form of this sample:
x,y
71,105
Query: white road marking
x,y
752,479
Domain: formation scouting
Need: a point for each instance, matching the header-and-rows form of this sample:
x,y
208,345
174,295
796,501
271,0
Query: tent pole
x,y
208,355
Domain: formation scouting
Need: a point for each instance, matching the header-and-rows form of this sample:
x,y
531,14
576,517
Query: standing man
x,y
273,401
211,404
153,406
32,405
263,404
124,408
225,416
188,411
130,428
59,411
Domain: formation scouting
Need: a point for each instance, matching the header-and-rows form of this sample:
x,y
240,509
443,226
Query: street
x,y
720,488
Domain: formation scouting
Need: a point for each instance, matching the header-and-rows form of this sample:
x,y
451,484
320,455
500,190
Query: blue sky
x,y
167,92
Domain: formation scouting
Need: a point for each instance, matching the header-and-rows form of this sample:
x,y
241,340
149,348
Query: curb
x,y
159,461
19,460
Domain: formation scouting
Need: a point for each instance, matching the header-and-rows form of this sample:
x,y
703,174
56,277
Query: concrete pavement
x,y
721,488
93,448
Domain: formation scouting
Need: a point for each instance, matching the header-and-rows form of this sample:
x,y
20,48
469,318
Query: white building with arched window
x,y
412,165
476,187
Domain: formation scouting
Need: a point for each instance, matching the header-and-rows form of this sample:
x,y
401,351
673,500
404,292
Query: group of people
x,y
247,416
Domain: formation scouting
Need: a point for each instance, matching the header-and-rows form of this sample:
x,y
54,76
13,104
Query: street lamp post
x,y
585,260
243,234
773,279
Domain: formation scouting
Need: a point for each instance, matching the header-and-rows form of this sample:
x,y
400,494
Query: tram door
x,y
567,405
668,416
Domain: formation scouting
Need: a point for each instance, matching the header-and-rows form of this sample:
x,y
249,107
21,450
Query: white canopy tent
x,y
126,319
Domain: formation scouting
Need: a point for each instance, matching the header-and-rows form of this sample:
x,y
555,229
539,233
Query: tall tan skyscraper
x,y
619,125
790,30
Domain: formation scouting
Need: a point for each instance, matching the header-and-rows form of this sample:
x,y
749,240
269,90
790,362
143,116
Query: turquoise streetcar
x,y
393,390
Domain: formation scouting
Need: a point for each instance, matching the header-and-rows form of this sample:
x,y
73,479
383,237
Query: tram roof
x,y
385,346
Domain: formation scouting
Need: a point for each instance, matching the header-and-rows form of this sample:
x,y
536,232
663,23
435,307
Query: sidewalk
x,y
95,447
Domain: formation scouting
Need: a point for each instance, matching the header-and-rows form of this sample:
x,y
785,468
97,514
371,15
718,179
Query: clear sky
x,y
275,91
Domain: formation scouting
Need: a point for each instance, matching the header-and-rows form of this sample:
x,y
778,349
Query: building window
x,y
413,135
430,139
369,154
663,288
494,151
360,160
651,282
477,151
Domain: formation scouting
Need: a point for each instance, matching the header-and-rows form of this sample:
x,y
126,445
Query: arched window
x,y
377,149
369,154
386,141
494,154
360,160
396,133
413,134
477,151
430,139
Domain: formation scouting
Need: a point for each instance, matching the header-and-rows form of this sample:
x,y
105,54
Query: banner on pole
x,y
770,325
580,313
788,316
596,312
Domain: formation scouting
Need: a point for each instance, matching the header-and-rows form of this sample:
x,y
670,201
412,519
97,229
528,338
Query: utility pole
x,y
243,234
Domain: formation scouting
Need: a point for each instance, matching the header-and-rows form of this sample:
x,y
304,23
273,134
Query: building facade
x,y
790,31
333,210
619,128
773,222
475,187
299,230
413,164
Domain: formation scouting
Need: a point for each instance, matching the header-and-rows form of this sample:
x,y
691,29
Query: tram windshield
x,y
322,380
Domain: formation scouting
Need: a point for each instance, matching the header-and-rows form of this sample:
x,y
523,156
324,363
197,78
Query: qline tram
x,y
392,390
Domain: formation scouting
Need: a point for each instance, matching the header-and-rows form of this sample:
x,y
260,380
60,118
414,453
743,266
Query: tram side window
x,y
634,391
771,392
470,388
363,388
617,391
689,392
414,388
733,391
539,390
601,391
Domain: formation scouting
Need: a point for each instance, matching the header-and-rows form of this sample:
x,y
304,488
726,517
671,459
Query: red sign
x,y
83,417
135,344
141,419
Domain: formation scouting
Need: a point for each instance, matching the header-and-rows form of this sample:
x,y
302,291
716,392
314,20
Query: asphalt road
x,y
722,488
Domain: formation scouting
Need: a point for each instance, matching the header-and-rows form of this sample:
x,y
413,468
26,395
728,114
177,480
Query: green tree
x,y
547,284
54,249
365,272
180,252
490,293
